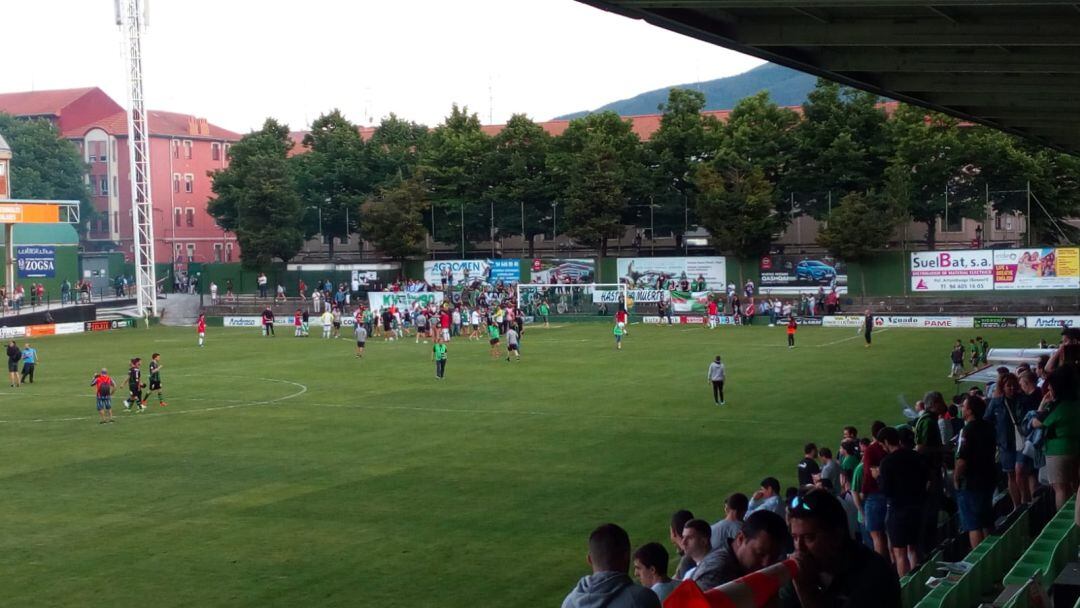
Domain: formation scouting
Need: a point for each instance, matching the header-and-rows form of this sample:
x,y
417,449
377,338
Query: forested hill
x,y
786,87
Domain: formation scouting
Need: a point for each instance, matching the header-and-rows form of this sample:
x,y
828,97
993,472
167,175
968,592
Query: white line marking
x,y
303,389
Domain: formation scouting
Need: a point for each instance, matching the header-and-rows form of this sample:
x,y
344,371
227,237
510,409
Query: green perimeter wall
x,y
886,274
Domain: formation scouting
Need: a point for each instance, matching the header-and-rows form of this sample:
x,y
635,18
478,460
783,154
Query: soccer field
x,y
285,472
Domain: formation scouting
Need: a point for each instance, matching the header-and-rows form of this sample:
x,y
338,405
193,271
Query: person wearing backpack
x,y
103,385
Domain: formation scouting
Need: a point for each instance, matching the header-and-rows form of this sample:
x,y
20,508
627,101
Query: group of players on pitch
x,y
104,386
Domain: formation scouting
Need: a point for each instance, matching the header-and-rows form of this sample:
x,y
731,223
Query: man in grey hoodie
x,y
610,586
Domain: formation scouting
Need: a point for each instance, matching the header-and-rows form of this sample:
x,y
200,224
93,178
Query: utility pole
x,y
131,19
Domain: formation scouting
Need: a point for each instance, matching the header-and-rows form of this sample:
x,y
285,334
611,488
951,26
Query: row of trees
x,y
744,179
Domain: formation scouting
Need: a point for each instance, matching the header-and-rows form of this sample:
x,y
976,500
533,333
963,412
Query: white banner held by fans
x,y
610,296
971,270
378,300
644,272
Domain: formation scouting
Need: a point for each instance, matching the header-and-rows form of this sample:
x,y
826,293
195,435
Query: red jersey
x,y
791,326
620,317
296,319
712,308
444,319
99,384
200,326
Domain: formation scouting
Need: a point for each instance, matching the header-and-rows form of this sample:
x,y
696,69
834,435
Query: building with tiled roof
x,y
183,149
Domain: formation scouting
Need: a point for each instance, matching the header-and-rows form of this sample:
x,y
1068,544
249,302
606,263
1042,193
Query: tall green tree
x,y
597,164
521,189
1055,185
452,167
256,196
738,208
860,225
394,219
46,166
841,146
333,177
685,139
395,150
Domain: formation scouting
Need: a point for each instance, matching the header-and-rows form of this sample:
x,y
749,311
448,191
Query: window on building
x,y
187,148
178,251
954,223
116,221
190,214
176,182
217,252
115,185
176,217
103,151
227,148
176,148
189,183
191,252
105,185
215,151
228,252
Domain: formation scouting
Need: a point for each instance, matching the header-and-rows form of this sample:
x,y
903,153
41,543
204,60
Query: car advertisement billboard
x,y
558,270
644,273
1040,268
793,274
970,270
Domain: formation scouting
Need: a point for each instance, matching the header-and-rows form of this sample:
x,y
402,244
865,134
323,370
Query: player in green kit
x,y
155,378
438,355
544,312
493,338
619,331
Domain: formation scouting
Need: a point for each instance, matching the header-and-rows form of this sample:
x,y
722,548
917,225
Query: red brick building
x,y
183,149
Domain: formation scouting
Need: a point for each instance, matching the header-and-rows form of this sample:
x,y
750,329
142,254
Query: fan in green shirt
x,y
493,339
544,311
618,336
438,354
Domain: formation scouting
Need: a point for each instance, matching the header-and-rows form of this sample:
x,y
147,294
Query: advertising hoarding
x,y
959,270
1039,268
35,261
645,272
507,270
793,274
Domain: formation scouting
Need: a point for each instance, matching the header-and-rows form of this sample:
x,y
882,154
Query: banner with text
x,y
643,296
558,270
377,300
1045,268
35,261
1053,322
491,271
792,274
644,273
970,270
910,322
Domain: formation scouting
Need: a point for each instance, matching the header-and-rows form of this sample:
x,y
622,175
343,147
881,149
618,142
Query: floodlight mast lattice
x,y
131,19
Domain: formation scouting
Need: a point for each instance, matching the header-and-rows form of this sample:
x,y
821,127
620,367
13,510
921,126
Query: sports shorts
x,y
155,385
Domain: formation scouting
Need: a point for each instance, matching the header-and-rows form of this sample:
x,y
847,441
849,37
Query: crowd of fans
x,y
859,521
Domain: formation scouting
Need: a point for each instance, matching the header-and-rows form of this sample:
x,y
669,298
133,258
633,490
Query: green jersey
x,y
618,330
544,310
493,332
155,373
440,351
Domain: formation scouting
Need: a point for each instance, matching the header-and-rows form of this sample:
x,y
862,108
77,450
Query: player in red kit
x,y
714,320
620,319
200,328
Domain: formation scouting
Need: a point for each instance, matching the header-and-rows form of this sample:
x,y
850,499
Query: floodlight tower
x,y
131,18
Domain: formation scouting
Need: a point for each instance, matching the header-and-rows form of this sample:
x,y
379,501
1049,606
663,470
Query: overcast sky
x,y
236,62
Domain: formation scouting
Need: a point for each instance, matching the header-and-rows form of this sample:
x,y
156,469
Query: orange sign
x,y
21,213
41,330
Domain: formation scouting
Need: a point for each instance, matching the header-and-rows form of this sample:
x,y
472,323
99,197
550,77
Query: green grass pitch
x,y
284,472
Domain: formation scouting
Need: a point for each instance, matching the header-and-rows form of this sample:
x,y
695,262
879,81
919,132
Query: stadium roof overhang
x,y
1013,65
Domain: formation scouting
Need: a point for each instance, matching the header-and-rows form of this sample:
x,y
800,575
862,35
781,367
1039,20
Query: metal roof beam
x,y
1004,30
1030,60
860,4
912,83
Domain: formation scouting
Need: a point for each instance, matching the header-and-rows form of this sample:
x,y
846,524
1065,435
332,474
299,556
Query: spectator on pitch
x,y
874,505
903,480
717,375
975,473
792,325
957,358
734,512
14,356
103,390
767,498
512,345
609,585
834,571
268,321
675,531
1005,412
438,355
830,469
29,361
760,544
651,566
808,467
